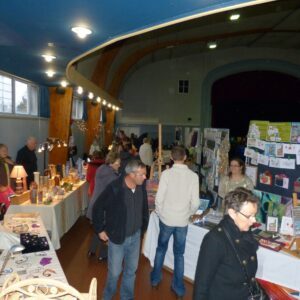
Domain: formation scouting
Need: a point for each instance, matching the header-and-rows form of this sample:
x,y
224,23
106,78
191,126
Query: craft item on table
x,y
21,259
251,172
296,220
274,162
272,224
49,272
270,149
287,226
279,150
286,163
20,228
265,178
287,240
271,244
263,159
282,181
45,261
33,243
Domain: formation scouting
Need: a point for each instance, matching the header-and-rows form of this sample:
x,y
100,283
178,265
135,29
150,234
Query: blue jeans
x,y
179,235
128,252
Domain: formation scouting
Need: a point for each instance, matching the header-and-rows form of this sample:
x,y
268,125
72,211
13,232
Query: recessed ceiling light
x,y
104,102
114,107
81,32
109,105
91,95
50,73
117,108
234,17
64,83
212,45
48,57
79,90
98,99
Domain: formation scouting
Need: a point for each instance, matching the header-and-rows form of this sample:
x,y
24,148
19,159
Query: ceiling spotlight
x,y
114,107
50,73
79,90
48,57
91,95
98,99
104,102
212,45
109,105
81,32
64,83
234,17
117,108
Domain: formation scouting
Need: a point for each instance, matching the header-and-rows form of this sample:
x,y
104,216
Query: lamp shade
x,y
18,172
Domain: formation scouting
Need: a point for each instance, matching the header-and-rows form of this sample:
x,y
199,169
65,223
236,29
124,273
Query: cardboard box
x,y
19,199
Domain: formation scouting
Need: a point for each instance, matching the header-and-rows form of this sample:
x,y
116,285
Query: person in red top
x,y
97,161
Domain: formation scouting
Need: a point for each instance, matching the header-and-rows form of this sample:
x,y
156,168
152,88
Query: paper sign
x,y
287,226
274,162
287,163
290,149
251,142
270,149
249,152
260,144
279,150
263,159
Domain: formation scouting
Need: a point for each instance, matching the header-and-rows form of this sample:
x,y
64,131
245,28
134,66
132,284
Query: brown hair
x,y
241,164
238,197
178,153
111,157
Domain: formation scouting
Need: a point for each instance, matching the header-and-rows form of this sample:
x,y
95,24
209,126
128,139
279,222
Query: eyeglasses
x,y
247,217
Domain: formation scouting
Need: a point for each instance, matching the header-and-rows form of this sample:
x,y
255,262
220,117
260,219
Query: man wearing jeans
x,y
120,216
176,200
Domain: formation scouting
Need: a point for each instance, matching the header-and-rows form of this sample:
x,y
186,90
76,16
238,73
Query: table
x,y
60,215
276,267
44,264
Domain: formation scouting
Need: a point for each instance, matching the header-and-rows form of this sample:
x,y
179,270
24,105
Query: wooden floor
x,y
80,269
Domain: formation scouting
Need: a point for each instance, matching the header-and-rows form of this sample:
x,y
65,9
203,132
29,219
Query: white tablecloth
x,y
276,267
32,264
59,216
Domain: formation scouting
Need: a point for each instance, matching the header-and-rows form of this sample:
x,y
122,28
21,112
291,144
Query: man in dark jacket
x,y
120,216
27,158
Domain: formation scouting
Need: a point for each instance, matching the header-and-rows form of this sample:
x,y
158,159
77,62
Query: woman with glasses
x,y
236,178
219,273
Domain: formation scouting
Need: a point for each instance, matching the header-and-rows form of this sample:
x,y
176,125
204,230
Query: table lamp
x,y
18,172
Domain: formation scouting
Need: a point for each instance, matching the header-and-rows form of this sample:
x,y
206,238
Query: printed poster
x,y
295,133
279,132
258,129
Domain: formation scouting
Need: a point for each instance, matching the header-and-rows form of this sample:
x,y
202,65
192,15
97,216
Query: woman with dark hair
x,y
227,261
236,178
105,174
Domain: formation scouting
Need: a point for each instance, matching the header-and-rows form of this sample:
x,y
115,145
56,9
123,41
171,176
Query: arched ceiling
x,y
270,25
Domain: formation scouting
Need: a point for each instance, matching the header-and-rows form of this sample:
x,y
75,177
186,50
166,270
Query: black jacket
x,y
219,274
109,212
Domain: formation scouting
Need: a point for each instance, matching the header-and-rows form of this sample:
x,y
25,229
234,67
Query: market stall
x,y
59,215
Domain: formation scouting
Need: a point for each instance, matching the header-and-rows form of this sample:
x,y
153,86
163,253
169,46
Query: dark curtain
x,y
44,102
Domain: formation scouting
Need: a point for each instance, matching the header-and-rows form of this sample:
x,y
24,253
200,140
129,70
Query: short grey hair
x,y
133,165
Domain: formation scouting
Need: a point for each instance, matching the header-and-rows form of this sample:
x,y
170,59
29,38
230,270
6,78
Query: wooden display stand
x,y
295,252
19,199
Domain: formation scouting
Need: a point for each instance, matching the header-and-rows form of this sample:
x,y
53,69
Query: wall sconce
x,y
18,172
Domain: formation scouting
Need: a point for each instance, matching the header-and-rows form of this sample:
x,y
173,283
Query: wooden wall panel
x,y
59,124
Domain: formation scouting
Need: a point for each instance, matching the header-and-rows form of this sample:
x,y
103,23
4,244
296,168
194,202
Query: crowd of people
x,y
118,211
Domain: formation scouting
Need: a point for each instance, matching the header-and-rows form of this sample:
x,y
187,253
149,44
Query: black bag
x,y
255,290
257,293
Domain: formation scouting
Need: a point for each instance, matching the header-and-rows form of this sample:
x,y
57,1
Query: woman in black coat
x,y
219,274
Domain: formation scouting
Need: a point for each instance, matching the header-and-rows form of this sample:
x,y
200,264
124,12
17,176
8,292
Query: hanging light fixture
x,y
82,32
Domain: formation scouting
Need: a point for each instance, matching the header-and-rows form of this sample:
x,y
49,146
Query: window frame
x,y
30,87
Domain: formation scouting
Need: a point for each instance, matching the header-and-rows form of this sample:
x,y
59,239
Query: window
x,y
183,86
18,97
77,108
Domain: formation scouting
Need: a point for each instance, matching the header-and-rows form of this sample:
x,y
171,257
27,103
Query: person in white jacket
x,y
176,200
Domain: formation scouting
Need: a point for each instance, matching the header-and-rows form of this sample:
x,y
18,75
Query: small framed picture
x,y
272,224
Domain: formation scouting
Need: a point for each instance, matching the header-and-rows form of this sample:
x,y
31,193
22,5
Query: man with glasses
x,y
120,217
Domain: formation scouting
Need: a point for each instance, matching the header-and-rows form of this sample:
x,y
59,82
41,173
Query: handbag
x,y
255,290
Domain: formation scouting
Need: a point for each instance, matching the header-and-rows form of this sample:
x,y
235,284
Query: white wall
x,y
15,130
150,93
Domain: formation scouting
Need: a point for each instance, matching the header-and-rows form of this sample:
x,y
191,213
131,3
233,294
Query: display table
x,y
275,267
59,216
44,264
